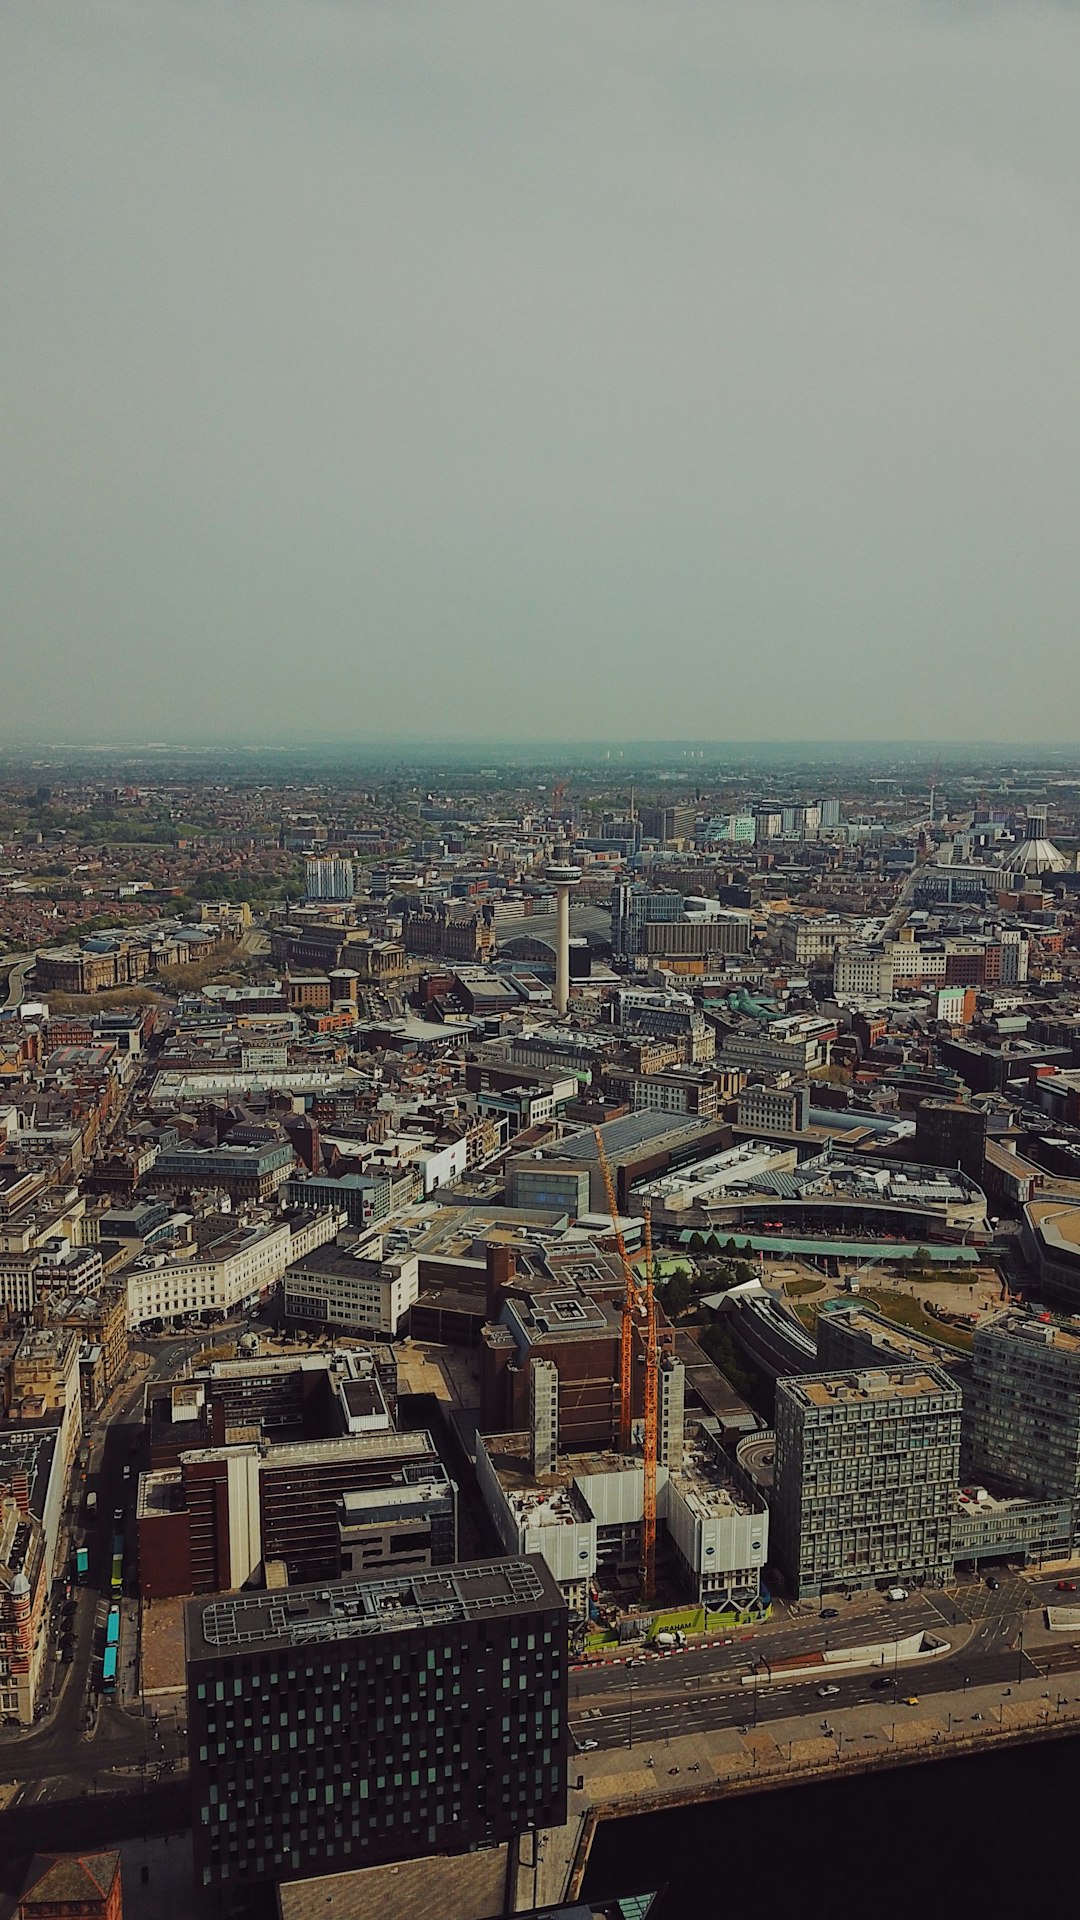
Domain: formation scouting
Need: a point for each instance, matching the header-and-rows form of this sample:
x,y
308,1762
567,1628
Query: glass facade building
x,y
361,1722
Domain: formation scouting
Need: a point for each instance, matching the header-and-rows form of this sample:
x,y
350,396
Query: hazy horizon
x,y
381,375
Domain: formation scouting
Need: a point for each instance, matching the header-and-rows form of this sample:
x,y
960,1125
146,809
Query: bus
x,y
112,1629
108,1671
116,1582
82,1565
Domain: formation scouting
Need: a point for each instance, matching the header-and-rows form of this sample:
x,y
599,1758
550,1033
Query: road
x,y
699,1690
16,981
81,1744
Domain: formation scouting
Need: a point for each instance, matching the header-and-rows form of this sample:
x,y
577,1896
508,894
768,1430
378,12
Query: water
x,y
955,1837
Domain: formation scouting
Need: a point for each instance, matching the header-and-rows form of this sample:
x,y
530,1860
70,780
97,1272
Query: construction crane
x,y
629,1306
652,1421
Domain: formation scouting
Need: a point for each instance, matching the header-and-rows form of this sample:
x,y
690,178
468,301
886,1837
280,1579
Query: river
x,y
954,1837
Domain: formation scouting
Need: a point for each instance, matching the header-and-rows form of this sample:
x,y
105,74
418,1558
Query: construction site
x,y
587,1454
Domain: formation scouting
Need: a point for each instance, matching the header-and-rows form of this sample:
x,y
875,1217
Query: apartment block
x,y
867,1468
1023,1422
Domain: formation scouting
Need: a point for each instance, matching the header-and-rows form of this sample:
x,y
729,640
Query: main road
x,y
655,1696
18,968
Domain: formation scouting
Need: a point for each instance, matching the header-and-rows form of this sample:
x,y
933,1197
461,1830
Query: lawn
x,y
906,1312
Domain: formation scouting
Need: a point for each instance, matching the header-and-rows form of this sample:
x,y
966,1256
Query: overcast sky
x,y
562,369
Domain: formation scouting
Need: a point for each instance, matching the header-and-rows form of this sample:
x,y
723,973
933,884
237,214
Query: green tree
x,y
677,1293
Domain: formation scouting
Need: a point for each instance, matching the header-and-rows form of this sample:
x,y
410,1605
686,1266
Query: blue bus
x,y
112,1628
108,1671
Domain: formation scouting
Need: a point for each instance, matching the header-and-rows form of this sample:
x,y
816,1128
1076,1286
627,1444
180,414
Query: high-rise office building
x,y
360,1722
867,1469
951,1133
634,906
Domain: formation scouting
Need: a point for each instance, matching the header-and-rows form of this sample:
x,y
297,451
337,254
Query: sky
x,y
668,369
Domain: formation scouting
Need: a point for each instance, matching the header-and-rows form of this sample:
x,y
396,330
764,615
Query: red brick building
x,y
63,1886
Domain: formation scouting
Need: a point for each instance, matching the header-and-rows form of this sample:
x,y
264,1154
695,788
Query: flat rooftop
x,y
867,1385
511,1457
564,1314
359,1609
382,1446
1043,1333
628,1135
1056,1220
893,1340
29,1450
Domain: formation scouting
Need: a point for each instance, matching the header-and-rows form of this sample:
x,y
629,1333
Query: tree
x,y
717,1342
677,1293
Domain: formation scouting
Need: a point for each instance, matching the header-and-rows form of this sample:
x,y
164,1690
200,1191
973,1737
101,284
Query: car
x,y
118,1513
897,1593
1066,1586
587,1746
825,1693
830,1613
993,1582
912,1700
881,1681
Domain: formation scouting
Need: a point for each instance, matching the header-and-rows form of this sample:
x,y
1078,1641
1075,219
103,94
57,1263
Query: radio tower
x,y
564,878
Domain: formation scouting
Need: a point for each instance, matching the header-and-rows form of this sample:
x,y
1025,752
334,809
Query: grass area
x,y
805,1284
951,1275
908,1313
808,1317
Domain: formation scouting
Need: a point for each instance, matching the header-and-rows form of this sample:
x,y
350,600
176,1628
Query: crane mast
x,y
652,1397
